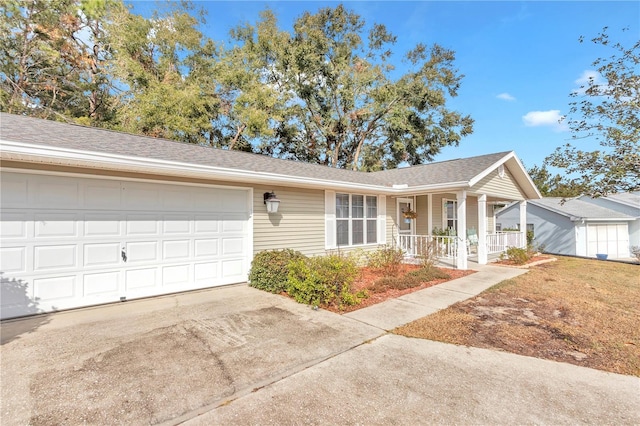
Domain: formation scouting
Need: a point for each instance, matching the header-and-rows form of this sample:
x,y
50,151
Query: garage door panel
x,y
206,247
232,268
172,250
102,254
13,225
141,279
233,225
13,259
14,192
55,225
54,257
54,193
139,196
101,225
232,246
142,251
55,288
206,273
101,284
141,225
206,224
102,195
178,199
176,275
176,224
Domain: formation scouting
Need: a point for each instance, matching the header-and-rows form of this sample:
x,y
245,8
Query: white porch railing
x,y
501,241
441,247
448,247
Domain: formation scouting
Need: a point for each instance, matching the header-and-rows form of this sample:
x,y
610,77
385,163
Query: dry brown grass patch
x,y
585,312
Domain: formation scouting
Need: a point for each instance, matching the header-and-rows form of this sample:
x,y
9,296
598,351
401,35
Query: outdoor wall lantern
x,y
271,201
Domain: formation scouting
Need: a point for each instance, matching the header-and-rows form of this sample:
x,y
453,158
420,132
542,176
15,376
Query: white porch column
x,y
461,198
523,221
429,213
482,229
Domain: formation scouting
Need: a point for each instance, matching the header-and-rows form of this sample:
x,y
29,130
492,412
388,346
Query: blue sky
x,y
521,60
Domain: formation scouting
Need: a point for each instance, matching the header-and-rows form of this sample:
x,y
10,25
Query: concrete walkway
x,y
396,312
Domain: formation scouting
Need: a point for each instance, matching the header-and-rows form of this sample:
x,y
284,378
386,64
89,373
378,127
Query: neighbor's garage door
x,y
611,239
68,242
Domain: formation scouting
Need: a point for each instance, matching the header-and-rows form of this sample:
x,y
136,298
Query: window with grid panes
x,y
356,219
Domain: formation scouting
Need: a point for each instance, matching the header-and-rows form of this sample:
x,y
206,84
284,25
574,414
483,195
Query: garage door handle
x,y
124,255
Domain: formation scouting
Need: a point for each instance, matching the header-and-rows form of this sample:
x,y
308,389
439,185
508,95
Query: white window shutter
x,y
382,219
330,219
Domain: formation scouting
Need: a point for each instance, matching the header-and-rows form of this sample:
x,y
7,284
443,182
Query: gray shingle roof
x,y
578,209
70,136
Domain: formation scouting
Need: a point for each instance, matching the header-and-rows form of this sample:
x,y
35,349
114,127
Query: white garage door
x,y
68,242
611,239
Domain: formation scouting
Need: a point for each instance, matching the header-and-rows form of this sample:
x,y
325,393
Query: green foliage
x,y
323,92
607,109
555,186
443,232
270,269
334,99
517,255
53,59
387,259
323,280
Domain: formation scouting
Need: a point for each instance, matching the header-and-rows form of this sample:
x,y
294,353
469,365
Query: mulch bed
x,y
368,276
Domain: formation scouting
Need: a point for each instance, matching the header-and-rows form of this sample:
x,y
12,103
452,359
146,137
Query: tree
x,y
165,68
52,56
610,113
554,186
329,97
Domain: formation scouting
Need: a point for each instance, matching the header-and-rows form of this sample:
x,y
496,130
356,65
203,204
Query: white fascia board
x,y
149,165
449,186
601,219
78,158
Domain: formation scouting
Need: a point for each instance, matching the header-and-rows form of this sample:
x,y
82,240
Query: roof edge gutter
x,y
38,154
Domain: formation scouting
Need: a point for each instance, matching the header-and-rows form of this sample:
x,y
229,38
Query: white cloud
x,y
549,118
505,97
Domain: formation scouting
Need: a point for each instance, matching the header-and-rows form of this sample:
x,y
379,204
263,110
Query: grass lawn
x,y
585,312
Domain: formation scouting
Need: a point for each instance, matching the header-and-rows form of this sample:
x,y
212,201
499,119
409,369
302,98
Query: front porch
x,y
454,227
448,249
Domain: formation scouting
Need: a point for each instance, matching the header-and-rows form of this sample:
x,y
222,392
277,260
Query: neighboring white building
x,y
581,226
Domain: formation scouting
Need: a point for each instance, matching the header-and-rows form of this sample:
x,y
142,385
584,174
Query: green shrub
x,y
323,280
517,255
269,269
387,259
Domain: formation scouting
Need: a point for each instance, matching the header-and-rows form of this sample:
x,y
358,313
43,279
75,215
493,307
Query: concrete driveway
x,y
236,355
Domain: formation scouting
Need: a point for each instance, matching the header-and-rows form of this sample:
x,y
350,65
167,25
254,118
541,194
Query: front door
x,y
405,226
